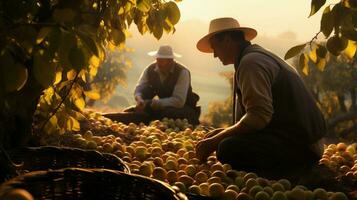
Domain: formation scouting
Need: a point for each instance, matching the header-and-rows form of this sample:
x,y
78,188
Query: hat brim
x,y
156,55
204,44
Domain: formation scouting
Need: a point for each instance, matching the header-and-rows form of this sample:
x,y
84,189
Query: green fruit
x,y
338,196
268,190
255,189
320,193
262,195
279,195
250,175
251,182
239,181
243,196
278,187
286,183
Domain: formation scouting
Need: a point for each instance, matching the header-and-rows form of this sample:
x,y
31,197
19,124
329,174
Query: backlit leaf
x,y
92,94
143,5
80,103
350,51
42,34
316,5
294,51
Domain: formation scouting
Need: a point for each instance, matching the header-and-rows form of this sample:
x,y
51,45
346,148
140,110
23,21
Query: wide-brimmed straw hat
x,y
221,25
165,51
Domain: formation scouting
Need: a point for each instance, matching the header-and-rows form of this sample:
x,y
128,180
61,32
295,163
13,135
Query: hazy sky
x,y
269,17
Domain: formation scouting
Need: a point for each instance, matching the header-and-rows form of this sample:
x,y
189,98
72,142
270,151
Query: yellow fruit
x,y
251,183
17,194
187,180
233,187
141,153
108,148
229,195
88,135
204,188
190,170
194,189
181,186
145,170
216,167
171,165
226,167
91,145
159,173
216,190
214,180
171,176
341,146
201,177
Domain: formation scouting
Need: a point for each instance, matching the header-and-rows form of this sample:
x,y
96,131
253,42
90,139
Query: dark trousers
x,y
267,155
131,115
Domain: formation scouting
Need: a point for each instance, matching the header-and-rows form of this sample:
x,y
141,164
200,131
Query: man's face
x,y
164,64
221,49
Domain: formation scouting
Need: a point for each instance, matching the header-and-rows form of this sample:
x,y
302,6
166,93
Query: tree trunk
x,y
18,114
353,99
341,101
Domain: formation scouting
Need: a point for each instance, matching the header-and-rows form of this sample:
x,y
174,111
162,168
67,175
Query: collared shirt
x,y
179,94
256,76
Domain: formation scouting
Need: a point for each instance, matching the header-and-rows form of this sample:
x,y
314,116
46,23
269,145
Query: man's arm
x,y
179,94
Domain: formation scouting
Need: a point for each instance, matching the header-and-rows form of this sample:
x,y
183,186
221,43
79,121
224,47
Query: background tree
x,y
219,113
333,85
48,48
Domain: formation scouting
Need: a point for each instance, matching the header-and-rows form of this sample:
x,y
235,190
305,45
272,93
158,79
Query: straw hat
x,y
165,51
221,25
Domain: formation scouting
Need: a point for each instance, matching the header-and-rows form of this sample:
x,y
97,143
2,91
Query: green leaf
x,y
92,94
64,15
44,69
321,51
336,44
42,34
173,12
118,36
294,51
327,22
143,5
76,58
14,75
80,103
316,5
90,43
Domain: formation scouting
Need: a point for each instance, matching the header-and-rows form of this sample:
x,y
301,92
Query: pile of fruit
x,y
164,150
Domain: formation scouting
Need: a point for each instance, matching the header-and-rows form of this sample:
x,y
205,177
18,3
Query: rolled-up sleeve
x,y
178,98
255,79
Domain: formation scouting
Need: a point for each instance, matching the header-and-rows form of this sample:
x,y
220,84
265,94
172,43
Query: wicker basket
x,y
50,157
79,183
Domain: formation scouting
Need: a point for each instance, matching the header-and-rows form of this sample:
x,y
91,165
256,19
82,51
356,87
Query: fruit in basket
x,y
17,194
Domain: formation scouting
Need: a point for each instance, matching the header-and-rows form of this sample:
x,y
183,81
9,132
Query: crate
x,y
86,184
51,157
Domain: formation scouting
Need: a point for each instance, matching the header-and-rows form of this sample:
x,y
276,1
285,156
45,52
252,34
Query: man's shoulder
x,y
182,66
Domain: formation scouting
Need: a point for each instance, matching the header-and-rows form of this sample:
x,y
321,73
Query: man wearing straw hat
x,y
278,126
168,80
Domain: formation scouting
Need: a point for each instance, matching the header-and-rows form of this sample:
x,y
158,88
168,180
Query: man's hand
x,y
205,147
140,103
213,133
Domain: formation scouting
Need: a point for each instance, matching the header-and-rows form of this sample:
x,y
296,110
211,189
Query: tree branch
x,y
343,117
60,104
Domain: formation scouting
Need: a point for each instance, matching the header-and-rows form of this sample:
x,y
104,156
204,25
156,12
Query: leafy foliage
x,y
54,47
220,113
338,24
334,85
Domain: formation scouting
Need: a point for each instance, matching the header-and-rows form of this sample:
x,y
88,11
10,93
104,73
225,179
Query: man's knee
x,y
224,150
